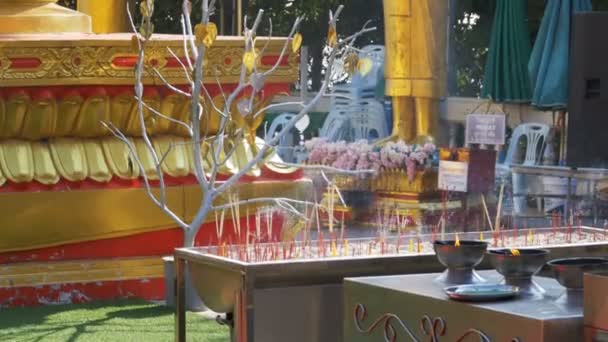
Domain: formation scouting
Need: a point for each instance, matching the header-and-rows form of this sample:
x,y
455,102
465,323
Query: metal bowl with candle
x,y
569,272
460,258
518,266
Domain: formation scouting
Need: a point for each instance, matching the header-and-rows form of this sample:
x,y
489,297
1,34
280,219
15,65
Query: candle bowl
x,y
518,270
569,271
460,261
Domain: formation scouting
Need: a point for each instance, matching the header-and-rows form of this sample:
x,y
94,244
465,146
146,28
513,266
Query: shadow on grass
x,y
125,320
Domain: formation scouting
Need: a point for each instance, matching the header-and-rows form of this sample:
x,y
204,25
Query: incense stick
x,y
269,224
487,212
237,211
222,223
499,207
342,228
331,209
258,224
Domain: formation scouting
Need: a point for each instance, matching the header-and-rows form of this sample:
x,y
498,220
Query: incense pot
x,y
460,260
569,273
518,269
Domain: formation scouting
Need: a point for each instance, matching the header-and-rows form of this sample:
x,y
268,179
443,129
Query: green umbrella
x,y
549,63
506,74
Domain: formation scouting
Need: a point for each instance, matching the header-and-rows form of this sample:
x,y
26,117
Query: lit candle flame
x,y
515,252
457,244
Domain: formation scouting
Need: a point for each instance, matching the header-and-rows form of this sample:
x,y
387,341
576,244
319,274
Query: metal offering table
x,y
301,299
415,308
295,301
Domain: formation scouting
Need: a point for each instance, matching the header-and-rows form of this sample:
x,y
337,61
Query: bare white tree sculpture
x,y
197,39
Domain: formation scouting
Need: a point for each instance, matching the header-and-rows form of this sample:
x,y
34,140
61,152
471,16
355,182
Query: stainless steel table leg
x,y
180,300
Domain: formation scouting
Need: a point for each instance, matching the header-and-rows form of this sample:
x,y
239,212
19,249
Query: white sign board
x,y
453,176
486,129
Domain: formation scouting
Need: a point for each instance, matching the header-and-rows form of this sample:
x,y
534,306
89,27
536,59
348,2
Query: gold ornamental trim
x,y
87,59
396,181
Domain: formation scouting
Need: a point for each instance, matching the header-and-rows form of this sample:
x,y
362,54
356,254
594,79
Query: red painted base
x,y
146,244
150,289
159,243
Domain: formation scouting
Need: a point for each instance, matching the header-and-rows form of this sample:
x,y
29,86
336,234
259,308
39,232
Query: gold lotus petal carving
x,y
75,160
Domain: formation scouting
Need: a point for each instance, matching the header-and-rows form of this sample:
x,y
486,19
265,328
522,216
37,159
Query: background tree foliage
x,y
471,25
471,28
314,29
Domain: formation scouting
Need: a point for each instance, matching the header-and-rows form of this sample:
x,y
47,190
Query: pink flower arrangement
x,y
361,155
399,155
352,156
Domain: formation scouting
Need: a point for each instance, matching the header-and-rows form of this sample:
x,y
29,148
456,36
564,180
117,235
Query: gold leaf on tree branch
x,y
211,35
146,8
205,34
332,36
351,63
296,42
365,65
249,60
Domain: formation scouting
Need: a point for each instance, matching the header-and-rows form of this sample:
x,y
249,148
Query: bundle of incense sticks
x,y
235,214
219,225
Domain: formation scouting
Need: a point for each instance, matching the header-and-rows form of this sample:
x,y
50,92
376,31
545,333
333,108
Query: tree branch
x,y
132,151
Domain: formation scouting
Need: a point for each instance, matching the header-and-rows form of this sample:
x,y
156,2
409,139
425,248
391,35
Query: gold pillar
x,y
40,16
239,17
415,66
109,16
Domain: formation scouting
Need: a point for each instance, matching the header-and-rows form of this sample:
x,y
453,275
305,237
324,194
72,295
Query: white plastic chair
x,y
376,54
355,113
535,135
336,126
288,141
367,121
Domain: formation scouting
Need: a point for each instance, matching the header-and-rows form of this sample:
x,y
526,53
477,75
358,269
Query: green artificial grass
x,y
116,321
